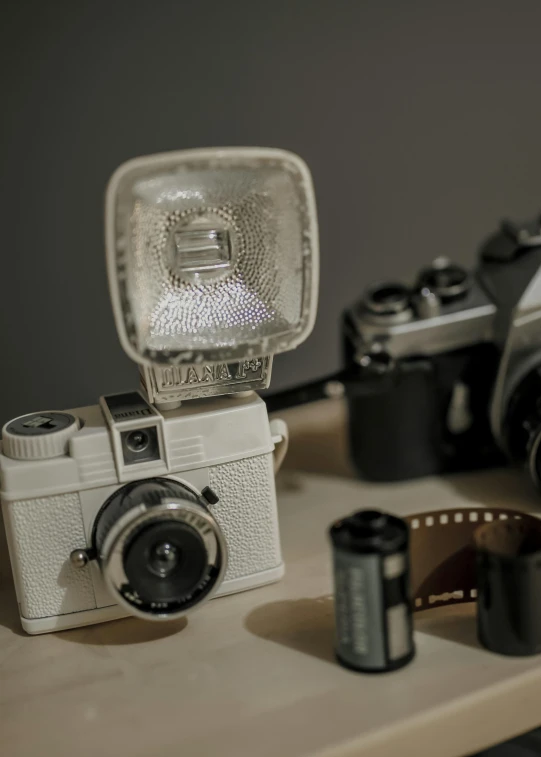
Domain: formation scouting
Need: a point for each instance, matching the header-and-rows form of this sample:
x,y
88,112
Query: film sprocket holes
x,y
487,555
145,505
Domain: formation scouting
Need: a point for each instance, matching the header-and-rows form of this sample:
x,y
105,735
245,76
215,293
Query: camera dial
x,y
446,280
387,299
39,436
160,550
387,303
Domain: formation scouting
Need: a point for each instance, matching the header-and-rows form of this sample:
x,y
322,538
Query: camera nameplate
x,y
191,381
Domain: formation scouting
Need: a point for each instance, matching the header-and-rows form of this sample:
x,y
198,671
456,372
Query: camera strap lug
x,y
280,437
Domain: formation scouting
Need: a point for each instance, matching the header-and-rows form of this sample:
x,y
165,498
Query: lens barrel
x,y
160,550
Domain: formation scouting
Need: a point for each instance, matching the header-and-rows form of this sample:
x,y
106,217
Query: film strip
x,y
443,553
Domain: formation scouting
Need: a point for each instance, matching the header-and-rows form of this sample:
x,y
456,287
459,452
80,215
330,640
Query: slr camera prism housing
x,y
153,501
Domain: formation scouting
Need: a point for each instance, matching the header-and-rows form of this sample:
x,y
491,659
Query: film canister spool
x,y
374,629
509,586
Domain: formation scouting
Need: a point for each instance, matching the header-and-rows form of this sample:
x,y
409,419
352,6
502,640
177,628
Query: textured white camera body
x,y
50,503
150,505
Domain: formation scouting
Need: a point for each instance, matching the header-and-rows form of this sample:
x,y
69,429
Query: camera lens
x,y
164,558
165,562
160,550
447,280
137,441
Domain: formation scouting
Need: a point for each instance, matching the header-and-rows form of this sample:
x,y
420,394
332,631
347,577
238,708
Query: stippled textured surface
x,y
260,205
43,533
246,513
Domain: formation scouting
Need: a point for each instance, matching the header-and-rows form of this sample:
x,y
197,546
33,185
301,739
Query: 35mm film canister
x,y
509,586
374,629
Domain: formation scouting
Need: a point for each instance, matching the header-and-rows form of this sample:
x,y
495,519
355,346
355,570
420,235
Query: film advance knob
x,y
38,436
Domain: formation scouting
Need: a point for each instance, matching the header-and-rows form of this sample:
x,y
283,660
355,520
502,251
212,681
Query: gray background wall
x,y
421,122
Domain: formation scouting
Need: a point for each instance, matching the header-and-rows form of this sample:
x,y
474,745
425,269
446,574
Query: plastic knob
x,y
38,436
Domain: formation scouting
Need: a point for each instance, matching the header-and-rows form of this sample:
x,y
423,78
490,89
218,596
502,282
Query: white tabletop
x,y
253,675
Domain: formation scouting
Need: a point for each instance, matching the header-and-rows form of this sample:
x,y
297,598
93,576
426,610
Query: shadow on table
x,y
456,623
509,488
9,613
306,625
124,632
318,439
526,745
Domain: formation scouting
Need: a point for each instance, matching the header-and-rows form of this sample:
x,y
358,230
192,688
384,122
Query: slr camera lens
x,y
160,550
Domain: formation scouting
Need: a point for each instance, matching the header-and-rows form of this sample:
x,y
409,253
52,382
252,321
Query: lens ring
x,y
113,551
137,441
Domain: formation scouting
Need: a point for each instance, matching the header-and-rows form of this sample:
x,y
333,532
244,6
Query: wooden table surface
x,y
253,675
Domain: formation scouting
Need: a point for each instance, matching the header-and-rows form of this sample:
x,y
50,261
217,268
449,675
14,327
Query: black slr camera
x,y
444,375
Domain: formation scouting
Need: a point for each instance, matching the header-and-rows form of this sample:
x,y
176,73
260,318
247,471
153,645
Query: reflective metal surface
x,y
522,350
212,254
454,325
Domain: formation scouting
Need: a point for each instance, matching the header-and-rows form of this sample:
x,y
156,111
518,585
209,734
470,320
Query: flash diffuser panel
x,y
212,254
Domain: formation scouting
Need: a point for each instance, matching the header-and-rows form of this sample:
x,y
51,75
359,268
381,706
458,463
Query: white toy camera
x,y
147,504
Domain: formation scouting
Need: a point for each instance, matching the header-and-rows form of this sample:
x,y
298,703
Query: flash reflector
x,y
212,257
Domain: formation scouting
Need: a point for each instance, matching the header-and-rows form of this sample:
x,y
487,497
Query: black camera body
x,y
400,413
444,375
